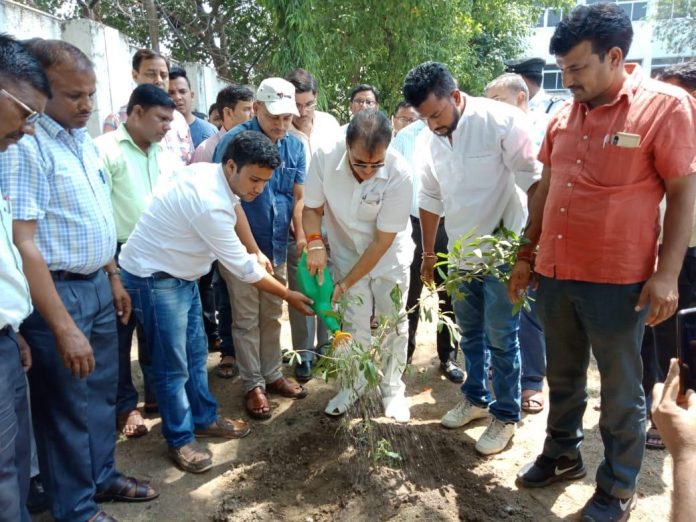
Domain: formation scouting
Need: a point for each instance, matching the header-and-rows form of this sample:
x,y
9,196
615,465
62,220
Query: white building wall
x,y
110,51
644,49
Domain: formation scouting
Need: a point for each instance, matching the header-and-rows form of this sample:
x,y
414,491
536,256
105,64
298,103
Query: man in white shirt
x,y
315,129
362,190
478,152
24,89
532,71
197,220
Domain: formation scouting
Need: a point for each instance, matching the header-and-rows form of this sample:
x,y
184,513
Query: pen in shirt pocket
x,y
101,175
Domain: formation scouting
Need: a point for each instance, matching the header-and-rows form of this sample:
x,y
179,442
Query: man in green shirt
x,y
135,164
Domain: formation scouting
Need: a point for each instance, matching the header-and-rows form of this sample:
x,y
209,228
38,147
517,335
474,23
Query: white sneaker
x,y
397,408
496,437
462,414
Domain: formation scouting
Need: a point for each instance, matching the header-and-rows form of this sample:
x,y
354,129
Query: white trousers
x,y
394,346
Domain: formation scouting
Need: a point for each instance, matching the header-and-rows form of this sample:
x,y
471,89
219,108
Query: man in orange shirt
x,y
609,157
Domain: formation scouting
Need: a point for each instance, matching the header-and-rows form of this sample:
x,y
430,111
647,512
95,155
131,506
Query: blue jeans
x,y
172,318
484,316
532,347
74,419
15,432
578,316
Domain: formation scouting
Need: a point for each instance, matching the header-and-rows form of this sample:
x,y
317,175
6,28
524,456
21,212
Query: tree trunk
x,y
152,23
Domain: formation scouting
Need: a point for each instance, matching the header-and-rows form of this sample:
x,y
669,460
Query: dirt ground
x,y
301,466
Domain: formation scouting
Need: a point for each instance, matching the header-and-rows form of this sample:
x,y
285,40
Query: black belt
x,y
691,252
162,275
5,330
64,275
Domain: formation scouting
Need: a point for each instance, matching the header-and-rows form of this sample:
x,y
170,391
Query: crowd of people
x,y
188,234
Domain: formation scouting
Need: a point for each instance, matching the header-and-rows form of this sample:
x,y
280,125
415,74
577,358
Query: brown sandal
x,y
257,405
286,388
532,401
131,424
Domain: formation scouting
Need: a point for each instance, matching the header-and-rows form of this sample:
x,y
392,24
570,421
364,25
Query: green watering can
x,y
321,295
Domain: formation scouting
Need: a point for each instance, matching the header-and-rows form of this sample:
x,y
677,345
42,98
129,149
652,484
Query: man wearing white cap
x,y
256,315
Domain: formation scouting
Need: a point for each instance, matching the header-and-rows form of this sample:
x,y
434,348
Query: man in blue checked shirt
x,y
64,231
255,314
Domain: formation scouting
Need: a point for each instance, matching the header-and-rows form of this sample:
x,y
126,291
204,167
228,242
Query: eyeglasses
x,y
32,114
406,120
363,166
307,106
366,103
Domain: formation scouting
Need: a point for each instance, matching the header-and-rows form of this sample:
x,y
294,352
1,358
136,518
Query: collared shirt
x,y
405,144
55,177
201,130
178,139
473,180
601,215
187,227
354,211
544,103
204,152
15,300
271,212
324,131
132,175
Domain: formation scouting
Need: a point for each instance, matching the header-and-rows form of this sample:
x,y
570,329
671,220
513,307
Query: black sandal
x,y
119,492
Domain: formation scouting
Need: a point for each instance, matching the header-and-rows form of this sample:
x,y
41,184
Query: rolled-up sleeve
x,y
216,228
518,152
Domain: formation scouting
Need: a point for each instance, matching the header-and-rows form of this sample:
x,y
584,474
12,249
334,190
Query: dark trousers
x,y
224,311
578,316
207,293
15,432
446,347
74,418
660,342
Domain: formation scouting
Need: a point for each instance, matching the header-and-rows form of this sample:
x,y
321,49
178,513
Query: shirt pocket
x,y
286,180
369,207
480,169
618,166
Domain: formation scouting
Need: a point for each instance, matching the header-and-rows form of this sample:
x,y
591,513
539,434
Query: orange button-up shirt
x,y
601,218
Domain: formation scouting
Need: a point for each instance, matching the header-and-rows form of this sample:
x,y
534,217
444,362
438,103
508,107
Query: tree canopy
x,y
676,24
342,43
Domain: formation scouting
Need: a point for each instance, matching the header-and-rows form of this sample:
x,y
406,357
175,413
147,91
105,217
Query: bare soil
x,y
302,466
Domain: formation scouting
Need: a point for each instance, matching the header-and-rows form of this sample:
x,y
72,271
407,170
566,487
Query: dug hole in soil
x,y
302,466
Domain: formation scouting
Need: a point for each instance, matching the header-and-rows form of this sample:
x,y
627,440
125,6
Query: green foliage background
x,y
342,43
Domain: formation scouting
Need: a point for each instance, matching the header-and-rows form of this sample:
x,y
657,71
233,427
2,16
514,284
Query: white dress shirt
x,y
353,211
324,131
187,227
473,180
15,301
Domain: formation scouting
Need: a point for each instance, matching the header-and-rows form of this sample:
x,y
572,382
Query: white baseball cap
x,y
278,95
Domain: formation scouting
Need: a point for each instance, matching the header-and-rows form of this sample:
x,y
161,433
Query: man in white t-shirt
x,y
362,190
195,221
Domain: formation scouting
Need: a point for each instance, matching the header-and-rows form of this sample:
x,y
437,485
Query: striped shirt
x,y
55,177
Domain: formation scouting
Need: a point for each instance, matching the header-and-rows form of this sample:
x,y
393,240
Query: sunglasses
x,y
32,114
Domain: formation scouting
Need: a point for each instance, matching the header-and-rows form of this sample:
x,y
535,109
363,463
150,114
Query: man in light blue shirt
x,y
65,234
405,143
23,92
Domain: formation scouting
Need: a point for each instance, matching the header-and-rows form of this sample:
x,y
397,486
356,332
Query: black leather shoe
x,y
453,372
303,371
